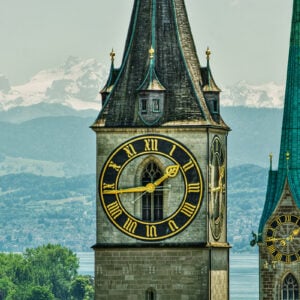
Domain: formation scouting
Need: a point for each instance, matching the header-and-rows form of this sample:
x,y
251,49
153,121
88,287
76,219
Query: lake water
x,y
243,274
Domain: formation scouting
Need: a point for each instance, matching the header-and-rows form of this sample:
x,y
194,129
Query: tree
x,y
82,288
53,266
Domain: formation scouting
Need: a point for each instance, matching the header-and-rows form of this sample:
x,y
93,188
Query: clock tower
x,y
279,230
161,167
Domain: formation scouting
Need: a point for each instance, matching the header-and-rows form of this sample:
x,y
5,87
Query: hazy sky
x,y
248,38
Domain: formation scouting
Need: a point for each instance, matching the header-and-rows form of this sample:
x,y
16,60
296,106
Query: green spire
x,y
289,157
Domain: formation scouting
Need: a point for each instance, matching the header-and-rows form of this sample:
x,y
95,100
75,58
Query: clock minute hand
x,y
171,171
294,233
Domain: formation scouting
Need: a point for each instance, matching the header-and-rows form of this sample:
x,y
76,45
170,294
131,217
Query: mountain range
x,y
75,85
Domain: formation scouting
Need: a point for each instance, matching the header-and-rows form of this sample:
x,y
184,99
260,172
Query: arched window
x,y
150,294
152,203
290,288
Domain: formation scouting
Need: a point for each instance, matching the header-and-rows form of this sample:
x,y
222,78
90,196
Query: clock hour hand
x,y
170,172
139,189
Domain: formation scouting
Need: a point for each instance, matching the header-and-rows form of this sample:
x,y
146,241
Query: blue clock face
x,y
151,187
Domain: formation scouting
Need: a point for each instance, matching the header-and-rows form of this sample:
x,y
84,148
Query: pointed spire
x,y
165,26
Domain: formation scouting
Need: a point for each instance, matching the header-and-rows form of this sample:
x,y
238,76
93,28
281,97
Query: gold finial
x,y
208,53
287,155
151,52
112,55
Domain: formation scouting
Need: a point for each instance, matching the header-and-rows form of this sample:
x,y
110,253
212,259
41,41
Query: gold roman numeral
x,y
109,186
151,144
272,249
188,166
188,209
194,187
172,150
173,226
114,209
130,225
151,231
130,151
287,218
114,166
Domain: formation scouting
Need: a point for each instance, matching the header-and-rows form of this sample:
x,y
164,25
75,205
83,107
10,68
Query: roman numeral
x,y
194,188
151,144
272,248
287,218
151,231
114,166
188,209
130,151
108,186
130,225
173,226
172,150
114,209
188,166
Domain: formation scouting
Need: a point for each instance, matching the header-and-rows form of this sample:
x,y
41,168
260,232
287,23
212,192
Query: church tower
x,y
279,230
161,167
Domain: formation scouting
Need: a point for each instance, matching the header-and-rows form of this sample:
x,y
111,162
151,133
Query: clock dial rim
x,y
184,198
270,232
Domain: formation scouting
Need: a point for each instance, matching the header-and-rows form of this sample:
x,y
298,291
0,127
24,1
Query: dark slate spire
x,y
161,25
289,158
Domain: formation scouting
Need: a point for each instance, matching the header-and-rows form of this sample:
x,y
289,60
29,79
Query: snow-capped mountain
x,y
75,84
269,95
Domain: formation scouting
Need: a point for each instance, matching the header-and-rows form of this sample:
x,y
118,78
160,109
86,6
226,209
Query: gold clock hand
x,y
294,233
271,239
139,189
171,171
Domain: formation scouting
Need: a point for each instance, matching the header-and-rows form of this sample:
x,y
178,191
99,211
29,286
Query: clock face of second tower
x,y
217,187
283,238
151,187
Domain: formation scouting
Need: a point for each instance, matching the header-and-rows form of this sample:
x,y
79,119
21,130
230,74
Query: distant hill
x,y
35,210
67,141
65,145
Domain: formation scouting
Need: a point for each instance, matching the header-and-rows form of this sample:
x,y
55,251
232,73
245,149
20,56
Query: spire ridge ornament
x,y
271,160
208,53
151,53
112,55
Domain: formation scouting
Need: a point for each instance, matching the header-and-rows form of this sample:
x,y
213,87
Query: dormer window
x,y
151,105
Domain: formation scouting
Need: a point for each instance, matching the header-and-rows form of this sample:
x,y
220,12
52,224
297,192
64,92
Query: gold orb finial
x,y
151,52
287,155
112,55
208,53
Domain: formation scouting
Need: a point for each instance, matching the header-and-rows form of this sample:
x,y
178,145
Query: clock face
x,y
217,187
283,238
151,187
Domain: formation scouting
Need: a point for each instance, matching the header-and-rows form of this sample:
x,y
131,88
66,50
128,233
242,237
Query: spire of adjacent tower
x,y
289,157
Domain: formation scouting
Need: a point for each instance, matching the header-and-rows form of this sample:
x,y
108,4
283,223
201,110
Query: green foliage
x,y
44,273
82,288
